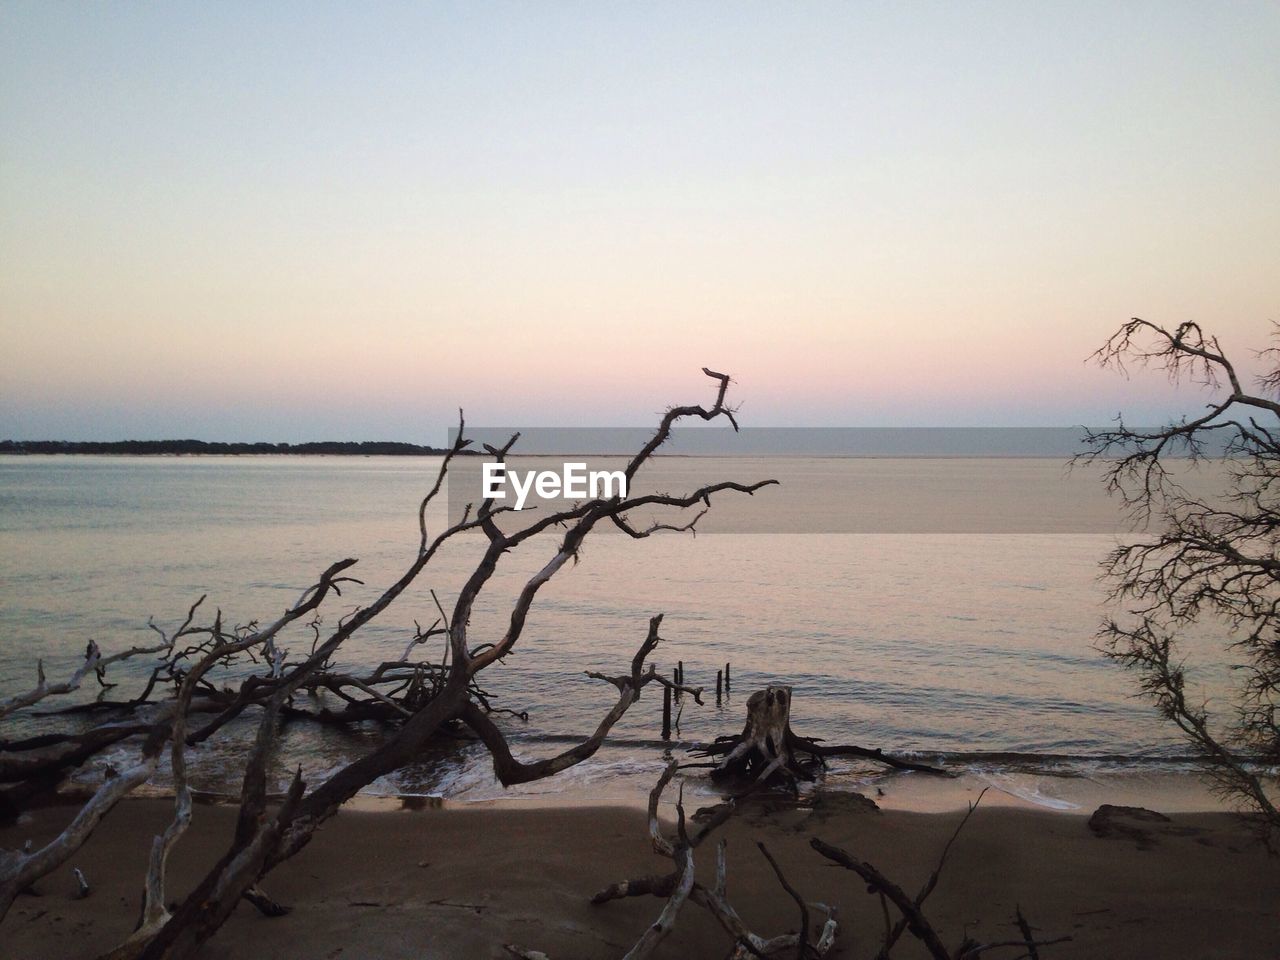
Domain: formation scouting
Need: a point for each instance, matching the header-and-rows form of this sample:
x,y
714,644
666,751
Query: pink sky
x,y
321,223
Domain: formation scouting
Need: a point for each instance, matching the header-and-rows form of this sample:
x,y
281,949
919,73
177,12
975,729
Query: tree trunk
x,y
767,748
764,747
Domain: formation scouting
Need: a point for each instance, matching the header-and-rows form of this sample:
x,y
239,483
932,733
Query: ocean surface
x,y
977,648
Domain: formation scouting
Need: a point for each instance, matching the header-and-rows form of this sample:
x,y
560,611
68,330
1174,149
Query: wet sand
x,y
460,882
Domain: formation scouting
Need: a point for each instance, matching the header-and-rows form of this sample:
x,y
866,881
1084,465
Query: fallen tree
x,y
415,699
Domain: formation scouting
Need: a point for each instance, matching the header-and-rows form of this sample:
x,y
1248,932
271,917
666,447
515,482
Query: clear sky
x,y
297,221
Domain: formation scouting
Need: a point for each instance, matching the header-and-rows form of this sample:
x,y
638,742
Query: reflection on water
x,y
978,647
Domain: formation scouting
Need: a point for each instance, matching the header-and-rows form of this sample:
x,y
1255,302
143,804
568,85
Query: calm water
x,y
977,646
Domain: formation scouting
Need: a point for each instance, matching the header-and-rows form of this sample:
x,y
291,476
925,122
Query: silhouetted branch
x,y
678,886
416,700
1215,559
912,916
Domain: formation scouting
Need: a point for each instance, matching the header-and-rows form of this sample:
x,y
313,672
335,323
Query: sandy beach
x,y
460,882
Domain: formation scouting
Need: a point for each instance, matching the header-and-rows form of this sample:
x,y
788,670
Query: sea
x,y
945,609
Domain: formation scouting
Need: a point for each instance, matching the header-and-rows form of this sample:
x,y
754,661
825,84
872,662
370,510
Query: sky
x,y
295,221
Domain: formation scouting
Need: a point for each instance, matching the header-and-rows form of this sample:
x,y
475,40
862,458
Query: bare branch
x,y
415,701
1217,561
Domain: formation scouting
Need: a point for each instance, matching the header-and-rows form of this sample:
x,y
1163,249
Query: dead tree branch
x,y
678,886
912,916
1211,559
415,700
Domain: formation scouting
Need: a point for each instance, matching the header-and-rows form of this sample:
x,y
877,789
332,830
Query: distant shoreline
x,y
362,448
395,448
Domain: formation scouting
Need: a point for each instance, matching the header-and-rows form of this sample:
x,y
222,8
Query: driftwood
x,y
415,701
768,749
911,913
679,886
94,662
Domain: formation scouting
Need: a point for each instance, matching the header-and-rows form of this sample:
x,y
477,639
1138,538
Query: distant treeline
x,y
159,447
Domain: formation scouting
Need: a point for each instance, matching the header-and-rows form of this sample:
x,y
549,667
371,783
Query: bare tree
x,y
416,699
1211,560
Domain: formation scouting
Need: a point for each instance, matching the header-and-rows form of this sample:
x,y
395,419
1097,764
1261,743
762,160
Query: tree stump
x,y
763,747
768,749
